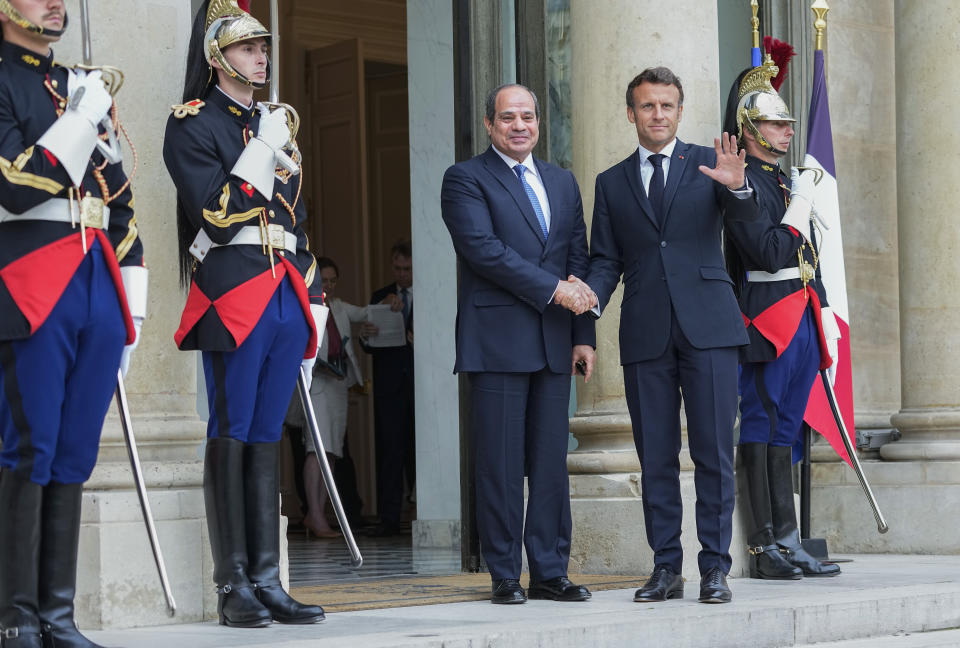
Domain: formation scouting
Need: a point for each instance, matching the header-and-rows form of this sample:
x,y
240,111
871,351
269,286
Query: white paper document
x,y
392,332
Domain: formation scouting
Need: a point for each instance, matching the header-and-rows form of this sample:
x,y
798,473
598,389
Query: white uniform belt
x,y
277,237
779,275
90,212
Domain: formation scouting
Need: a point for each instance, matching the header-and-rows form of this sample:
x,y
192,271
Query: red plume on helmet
x,y
781,53
245,5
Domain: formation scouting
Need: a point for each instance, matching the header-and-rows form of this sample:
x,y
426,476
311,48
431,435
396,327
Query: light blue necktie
x,y
520,170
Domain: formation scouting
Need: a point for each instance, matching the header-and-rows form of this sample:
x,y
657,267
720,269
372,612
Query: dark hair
x,y
196,85
327,262
401,248
490,108
731,253
660,75
730,114
199,77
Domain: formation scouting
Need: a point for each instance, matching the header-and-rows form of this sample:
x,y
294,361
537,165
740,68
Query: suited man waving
x,y
657,222
517,225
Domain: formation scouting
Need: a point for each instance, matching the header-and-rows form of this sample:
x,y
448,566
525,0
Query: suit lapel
x,y
631,168
678,163
505,176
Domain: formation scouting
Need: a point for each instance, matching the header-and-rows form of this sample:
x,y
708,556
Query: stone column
x,y
928,74
432,141
118,584
613,42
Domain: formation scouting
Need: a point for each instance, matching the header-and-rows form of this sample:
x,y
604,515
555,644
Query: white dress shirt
x,y
532,176
646,166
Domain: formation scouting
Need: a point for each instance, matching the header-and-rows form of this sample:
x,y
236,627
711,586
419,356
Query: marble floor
x,y
315,561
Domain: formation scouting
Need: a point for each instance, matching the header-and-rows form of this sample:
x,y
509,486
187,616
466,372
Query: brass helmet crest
x,y
227,23
758,101
10,12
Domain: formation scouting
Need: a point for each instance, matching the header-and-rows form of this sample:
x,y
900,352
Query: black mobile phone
x,y
581,366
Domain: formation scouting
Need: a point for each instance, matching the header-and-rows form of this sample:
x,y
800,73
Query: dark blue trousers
x,y
774,394
57,384
520,426
248,390
707,381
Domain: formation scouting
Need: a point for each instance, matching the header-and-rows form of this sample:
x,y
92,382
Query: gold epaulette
x,y
191,108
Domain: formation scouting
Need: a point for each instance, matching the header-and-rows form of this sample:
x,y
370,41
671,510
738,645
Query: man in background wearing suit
x,y
657,221
517,226
393,397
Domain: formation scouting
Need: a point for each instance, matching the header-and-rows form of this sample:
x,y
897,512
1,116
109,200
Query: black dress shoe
x,y
663,584
767,562
796,555
713,587
558,589
507,591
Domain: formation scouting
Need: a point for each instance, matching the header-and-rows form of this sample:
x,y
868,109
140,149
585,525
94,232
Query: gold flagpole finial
x,y
819,9
755,22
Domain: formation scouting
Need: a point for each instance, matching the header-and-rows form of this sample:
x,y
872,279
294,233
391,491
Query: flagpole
x,y
755,54
819,9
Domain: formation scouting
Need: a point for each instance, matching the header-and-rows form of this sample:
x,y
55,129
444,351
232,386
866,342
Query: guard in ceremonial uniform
x,y
255,302
793,333
72,297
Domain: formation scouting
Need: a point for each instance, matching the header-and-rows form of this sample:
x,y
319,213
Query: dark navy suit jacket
x,y
508,273
678,265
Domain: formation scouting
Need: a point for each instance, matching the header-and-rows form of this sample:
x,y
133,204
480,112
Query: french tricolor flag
x,y
820,155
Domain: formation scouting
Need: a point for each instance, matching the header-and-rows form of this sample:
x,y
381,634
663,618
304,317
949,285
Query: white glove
x,y
307,367
319,313
833,350
128,349
831,332
257,164
802,204
88,96
273,130
72,138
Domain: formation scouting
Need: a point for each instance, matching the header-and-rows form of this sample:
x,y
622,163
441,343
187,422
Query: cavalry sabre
x,y
355,558
127,426
854,460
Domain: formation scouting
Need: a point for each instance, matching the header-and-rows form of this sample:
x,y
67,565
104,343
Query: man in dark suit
x,y
393,396
517,226
657,221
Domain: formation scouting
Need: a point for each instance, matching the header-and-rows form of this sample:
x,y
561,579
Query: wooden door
x,y
388,159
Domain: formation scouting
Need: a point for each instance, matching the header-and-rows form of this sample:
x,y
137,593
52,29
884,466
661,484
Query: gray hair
x,y
491,105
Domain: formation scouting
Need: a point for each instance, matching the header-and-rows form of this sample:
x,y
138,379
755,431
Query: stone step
x,y
935,639
876,597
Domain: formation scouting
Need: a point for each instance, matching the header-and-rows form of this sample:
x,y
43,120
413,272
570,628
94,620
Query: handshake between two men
x,y
574,295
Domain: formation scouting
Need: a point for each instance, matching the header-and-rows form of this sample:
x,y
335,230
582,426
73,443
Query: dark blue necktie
x,y
520,170
655,192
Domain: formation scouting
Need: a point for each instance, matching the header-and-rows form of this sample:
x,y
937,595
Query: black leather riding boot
x,y
223,495
60,537
261,471
20,503
779,467
765,559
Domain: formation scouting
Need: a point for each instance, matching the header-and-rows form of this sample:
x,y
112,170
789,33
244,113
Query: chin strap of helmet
x,y
17,18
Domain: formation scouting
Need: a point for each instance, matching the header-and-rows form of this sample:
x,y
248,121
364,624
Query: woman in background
x,y
336,370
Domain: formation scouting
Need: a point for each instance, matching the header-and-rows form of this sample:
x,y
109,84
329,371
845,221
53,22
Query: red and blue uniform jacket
x,y
231,288
38,258
772,310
